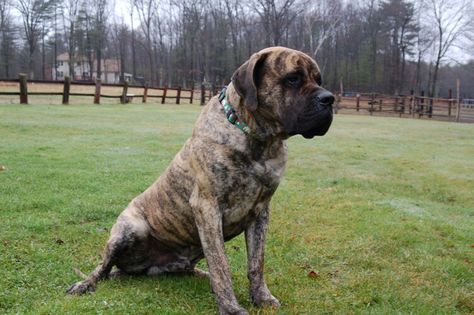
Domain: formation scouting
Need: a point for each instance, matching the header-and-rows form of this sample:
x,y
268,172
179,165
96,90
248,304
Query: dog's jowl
x,y
221,182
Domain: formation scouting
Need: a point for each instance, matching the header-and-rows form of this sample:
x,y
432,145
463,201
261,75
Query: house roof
x,y
63,57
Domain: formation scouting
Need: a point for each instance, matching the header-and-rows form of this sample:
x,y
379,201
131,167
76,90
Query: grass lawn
x,y
375,217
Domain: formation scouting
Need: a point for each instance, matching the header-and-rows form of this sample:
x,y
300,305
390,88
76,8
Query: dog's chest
x,y
250,190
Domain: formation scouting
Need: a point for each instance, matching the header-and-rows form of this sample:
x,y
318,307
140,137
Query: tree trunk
x,y
71,50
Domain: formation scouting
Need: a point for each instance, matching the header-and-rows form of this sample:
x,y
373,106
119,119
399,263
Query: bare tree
x,y
72,10
276,16
232,9
134,60
99,31
450,22
85,38
321,20
424,40
33,13
6,37
373,29
146,10
400,28
121,41
467,44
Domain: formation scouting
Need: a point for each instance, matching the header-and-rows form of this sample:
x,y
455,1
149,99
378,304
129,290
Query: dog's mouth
x,y
315,124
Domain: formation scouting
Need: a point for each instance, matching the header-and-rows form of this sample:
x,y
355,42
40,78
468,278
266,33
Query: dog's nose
x,y
325,98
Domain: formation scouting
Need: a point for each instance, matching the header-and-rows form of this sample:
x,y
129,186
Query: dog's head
x,y
283,85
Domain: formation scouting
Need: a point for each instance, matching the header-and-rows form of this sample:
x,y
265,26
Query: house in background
x,y
110,69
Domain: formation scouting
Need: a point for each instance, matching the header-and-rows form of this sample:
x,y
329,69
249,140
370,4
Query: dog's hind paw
x,y
81,287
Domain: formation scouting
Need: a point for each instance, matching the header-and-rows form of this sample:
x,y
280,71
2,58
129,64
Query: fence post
x,y
402,107
203,94
213,90
163,97
338,102
357,102
458,100
178,95
124,98
372,102
421,106
380,105
192,93
66,89
430,106
23,89
145,93
97,92
414,106
450,96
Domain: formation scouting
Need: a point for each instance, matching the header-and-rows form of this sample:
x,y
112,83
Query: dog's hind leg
x,y
129,229
100,272
182,261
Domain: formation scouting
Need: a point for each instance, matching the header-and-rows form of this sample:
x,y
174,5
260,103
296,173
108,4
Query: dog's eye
x,y
293,80
319,80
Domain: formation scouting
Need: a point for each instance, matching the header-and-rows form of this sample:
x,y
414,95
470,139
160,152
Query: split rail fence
x,y
162,94
450,109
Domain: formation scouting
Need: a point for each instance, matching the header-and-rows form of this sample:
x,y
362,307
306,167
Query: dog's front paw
x,y
231,309
264,298
81,287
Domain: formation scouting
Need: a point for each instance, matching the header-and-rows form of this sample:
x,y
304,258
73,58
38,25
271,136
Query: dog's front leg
x,y
209,223
255,240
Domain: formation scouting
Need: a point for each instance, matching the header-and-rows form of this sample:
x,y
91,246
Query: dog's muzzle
x,y
318,117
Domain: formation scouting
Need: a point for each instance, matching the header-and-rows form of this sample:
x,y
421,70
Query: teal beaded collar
x,y
232,116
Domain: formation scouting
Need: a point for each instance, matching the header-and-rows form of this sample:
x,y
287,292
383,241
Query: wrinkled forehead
x,y
287,61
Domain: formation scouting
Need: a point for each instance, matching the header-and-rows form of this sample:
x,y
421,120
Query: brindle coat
x,y
221,182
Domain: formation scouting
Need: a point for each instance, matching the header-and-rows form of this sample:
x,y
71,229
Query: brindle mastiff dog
x,y
221,182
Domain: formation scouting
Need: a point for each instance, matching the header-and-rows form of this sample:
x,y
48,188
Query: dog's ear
x,y
246,78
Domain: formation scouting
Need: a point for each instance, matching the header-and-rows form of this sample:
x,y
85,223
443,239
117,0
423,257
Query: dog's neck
x,y
260,131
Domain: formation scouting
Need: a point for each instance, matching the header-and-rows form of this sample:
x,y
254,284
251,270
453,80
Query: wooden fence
x,y
413,106
402,105
467,111
163,94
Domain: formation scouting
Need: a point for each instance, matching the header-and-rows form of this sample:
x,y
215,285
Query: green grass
x,y
381,209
